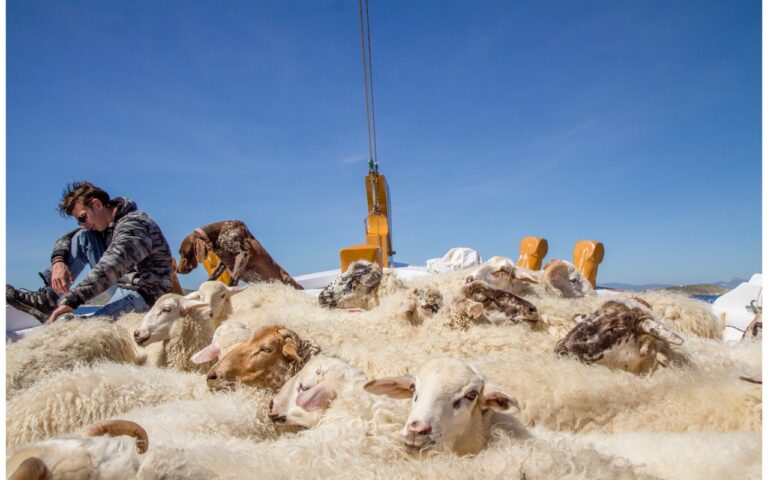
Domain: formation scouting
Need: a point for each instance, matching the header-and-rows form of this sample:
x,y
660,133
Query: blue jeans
x,y
86,248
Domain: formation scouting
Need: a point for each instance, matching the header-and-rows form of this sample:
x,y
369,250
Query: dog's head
x,y
192,251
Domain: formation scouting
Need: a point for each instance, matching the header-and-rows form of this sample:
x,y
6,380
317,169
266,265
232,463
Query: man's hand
x,y
59,311
61,278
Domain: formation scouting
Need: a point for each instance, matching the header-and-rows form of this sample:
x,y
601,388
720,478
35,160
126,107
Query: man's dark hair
x,y
81,192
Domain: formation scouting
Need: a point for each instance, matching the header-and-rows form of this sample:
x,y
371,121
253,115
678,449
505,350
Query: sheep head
x,y
225,337
421,303
567,279
354,288
217,295
503,274
620,334
451,402
167,310
92,455
301,401
479,301
269,358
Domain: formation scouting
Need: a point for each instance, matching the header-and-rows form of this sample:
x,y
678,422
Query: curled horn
x,y
115,428
31,469
657,330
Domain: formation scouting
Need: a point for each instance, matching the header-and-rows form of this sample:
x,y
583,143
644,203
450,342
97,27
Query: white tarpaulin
x,y
456,259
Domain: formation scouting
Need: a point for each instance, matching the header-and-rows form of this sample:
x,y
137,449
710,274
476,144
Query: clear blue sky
x,y
633,123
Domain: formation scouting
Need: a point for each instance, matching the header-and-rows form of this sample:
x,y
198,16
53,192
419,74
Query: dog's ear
x,y
201,250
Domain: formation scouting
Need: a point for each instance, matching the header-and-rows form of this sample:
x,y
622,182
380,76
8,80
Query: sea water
x,y
707,298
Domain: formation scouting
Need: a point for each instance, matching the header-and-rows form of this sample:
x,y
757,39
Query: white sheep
x,y
218,296
109,450
225,337
70,399
564,277
183,326
302,399
453,406
357,432
63,345
503,274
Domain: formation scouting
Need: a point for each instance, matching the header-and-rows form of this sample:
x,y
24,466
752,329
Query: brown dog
x,y
271,356
238,250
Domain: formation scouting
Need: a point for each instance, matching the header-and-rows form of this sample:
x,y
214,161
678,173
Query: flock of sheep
x,y
494,372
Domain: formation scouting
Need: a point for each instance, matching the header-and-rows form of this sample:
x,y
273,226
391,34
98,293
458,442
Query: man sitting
x,y
127,253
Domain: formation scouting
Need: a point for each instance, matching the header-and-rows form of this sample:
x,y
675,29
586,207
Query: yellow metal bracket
x,y
378,236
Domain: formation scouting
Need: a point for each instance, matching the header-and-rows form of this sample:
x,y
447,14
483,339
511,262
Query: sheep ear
x,y
193,296
474,309
394,387
201,250
189,306
206,355
406,308
315,398
493,397
290,350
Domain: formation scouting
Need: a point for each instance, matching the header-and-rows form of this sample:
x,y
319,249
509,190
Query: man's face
x,y
94,216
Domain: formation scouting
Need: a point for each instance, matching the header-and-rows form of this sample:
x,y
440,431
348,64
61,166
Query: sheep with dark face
x,y
355,288
620,334
478,302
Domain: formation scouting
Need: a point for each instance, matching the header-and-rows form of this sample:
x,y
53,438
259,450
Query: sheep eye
x,y
223,296
266,350
471,395
302,388
457,404
167,309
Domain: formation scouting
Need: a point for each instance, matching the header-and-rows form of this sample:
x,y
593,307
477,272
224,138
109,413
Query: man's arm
x,y
131,243
63,246
61,277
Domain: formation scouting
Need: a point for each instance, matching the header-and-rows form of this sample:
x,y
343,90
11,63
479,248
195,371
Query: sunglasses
x,y
82,218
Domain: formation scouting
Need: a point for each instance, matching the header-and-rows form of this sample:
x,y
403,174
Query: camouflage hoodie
x,y
136,250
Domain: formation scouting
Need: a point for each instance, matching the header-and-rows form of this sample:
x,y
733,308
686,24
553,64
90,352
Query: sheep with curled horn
x,y
108,450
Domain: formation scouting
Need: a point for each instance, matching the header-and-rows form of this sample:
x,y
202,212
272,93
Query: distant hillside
x,y
716,288
635,288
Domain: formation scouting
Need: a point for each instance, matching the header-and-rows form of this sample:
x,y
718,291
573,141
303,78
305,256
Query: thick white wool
x,y
602,423
63,345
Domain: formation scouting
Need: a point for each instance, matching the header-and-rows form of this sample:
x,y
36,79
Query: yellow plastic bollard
x,y
532,252
211,262
587,255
